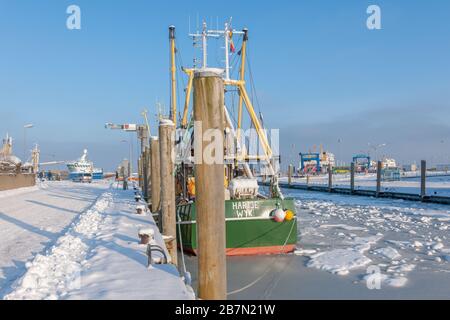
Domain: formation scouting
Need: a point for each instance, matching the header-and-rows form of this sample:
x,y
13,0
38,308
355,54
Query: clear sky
x,y
320,74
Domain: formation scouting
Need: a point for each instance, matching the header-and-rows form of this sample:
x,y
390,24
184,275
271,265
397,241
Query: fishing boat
x,y
256,222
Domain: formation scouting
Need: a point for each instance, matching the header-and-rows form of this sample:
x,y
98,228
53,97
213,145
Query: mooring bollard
x,y
330,178
210,201
379,169
141,209
137,197
168,208
146,236
290,174
423,177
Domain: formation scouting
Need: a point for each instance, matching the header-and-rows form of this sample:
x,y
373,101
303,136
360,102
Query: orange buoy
x,y
289,215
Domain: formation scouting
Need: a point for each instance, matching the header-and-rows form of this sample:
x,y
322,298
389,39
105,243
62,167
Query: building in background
x,y
389,163
410,167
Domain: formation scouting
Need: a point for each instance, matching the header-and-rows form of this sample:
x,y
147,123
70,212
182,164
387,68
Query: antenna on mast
x,y
204,46
197,22
227,62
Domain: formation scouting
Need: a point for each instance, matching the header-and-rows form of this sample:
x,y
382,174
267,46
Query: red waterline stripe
x,y
254,251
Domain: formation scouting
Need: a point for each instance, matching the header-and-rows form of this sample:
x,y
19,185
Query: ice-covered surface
x,y
337,236
339,261
351,234
93,253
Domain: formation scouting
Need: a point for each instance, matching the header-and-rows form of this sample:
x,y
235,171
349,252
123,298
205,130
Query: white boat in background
x,y
83,169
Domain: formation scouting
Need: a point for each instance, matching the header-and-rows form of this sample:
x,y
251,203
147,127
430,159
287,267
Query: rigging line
x,y
235,60
179,63
181,244
233,105
276,278
252,82
234,67
179,75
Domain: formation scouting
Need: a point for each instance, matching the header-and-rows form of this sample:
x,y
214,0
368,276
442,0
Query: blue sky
x,y
320,74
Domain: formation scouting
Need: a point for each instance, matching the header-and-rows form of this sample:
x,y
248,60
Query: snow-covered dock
x,y
62,240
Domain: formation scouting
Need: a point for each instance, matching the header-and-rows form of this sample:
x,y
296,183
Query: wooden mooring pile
x,y
156,169
377,193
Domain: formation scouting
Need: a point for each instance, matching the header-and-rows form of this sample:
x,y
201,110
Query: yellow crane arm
x,y
190,73
242,78
255,120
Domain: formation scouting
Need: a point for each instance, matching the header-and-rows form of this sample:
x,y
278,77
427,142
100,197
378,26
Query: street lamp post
x,y
25,127
130,166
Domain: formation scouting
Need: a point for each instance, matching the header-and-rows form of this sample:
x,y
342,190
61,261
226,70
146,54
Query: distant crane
x,y
144,114
142,130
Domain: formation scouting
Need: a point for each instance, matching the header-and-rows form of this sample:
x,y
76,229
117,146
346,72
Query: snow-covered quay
x,y
61,240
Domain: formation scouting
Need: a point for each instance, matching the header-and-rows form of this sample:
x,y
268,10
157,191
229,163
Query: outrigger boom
x,y
240,84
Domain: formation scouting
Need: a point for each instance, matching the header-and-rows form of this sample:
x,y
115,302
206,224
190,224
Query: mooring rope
x,y
181,245
267,269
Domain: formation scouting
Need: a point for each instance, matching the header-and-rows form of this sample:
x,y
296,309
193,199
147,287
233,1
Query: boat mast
x,y
173,100
242,78
205,46
227,58
244,98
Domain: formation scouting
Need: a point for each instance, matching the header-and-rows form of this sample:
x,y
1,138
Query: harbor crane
x,y
142,131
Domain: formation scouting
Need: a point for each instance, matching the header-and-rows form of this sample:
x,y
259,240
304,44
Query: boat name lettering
x,y
245,209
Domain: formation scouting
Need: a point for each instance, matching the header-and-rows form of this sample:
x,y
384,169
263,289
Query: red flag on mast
x,y
232,47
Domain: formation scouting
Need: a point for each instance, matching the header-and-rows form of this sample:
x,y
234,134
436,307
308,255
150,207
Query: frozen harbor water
x,y
342,241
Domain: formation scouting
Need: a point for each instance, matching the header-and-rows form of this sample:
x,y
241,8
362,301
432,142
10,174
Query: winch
x,y
243,188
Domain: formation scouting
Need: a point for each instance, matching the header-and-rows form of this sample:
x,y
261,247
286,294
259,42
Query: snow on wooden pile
x,y
100,258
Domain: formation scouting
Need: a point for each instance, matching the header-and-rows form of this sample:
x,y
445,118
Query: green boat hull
x,y
250,228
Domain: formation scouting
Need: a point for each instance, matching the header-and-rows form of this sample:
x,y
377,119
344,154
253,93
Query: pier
x,y
88,244
371,187
365,193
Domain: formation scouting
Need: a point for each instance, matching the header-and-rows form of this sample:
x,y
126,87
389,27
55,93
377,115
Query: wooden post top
x,y
208,72
166,123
